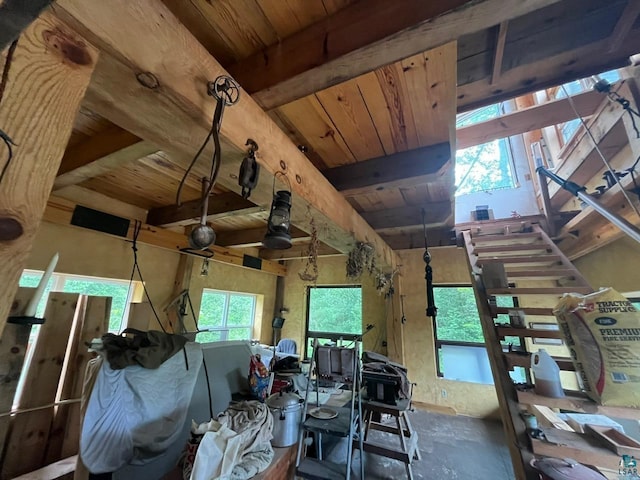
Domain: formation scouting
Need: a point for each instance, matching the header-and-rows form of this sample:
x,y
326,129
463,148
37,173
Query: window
x,y
334,314
483,167
568,129
460,345
118,290
226,316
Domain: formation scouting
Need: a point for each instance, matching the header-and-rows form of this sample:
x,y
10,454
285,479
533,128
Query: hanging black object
x,y
278,235
432,310
249,170
604,86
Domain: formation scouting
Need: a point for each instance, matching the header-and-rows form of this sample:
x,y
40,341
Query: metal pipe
x,y
580,192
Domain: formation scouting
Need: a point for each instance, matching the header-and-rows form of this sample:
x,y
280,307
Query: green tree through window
x,y
334,314
226,316
117,289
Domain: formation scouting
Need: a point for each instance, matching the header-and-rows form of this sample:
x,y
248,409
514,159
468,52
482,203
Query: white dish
x,y
323,413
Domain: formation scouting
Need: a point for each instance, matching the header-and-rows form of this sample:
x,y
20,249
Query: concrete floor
x,y
451,447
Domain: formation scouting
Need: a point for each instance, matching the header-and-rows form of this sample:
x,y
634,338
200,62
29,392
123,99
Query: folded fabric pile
x,y
235,447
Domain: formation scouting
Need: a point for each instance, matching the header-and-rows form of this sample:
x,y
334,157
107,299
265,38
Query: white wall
x,y
521,199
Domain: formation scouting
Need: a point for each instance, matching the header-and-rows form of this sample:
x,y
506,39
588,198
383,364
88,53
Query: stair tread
x,y
501,238
527,310
533,259
539,290
315,469
518,247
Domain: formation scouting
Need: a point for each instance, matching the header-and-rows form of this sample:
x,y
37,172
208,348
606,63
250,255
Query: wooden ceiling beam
x,y
60,211
582,62
436,214
16,15
528,119
222,205
252,237
177,114
399,170
624,25
100,154
362,37
408,239
297,252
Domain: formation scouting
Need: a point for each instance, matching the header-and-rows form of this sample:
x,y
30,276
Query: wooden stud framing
x,y
50,71
16,15
528,119
223,205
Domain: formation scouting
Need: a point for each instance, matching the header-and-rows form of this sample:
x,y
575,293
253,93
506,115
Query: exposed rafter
x,y
499,52
436,214
223,205
529,119
298,252
554,70
624,25
404,169
177,116
350,43
100,154
253,237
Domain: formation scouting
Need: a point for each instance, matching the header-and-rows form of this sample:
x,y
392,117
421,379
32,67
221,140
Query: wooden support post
x,y
546,205
395,326
181,283
13,347
29,431
49,74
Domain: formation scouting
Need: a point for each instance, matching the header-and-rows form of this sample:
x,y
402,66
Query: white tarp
x,y
135,414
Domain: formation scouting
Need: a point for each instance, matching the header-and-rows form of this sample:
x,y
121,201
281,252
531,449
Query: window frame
x,y
224,328
60,280
339,338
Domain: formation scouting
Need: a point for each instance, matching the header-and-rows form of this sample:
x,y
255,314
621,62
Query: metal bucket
x,y
286,409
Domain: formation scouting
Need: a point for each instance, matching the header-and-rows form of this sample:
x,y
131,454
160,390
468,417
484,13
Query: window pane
x,y
119,293
212,309
206,337
458,318
239,334
240,311
483,167
335,310
31,280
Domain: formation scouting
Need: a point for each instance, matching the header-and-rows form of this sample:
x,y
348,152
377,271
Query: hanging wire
x,y
280,174
597,148
136,268
227,92
3,85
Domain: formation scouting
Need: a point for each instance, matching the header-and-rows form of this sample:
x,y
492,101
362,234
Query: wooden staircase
x,y
537,273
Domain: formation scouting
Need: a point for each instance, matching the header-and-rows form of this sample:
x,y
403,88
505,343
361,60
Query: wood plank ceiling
x,y
408,104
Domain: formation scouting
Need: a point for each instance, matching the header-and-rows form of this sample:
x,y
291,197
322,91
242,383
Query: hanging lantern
x,y
278,236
